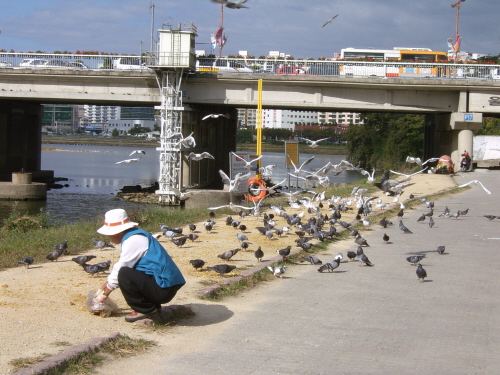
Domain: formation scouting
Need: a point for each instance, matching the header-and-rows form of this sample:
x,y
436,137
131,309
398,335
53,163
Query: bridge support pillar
x,y
20,138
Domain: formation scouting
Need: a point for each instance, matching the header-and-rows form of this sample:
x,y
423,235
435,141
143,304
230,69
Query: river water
x,y
94,178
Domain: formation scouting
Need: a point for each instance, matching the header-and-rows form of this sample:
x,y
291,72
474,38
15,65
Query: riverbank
x,y
143,143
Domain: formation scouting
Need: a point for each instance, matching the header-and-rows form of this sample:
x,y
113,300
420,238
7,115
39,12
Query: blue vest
x,y
156,261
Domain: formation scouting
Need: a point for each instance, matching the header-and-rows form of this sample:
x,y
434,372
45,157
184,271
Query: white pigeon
x,y
313,144
248,164
197,157
137,152
277,271
214,116
128,161
475,182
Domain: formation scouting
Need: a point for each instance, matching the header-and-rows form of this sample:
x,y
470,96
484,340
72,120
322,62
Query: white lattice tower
x,y
170,148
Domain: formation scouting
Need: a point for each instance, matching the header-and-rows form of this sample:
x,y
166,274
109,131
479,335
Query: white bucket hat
x,y
116,221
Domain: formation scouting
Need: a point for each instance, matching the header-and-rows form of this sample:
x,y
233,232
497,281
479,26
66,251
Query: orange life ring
x,y
256,183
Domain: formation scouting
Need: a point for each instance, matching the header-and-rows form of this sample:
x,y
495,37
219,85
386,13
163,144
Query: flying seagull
x,y
476,182
248,164
214,116
232,184
236,4
197,157
313,144
330,20
137,152
186,142
299,169
128,161
371,177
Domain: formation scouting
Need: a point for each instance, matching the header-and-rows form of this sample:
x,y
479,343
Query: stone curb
x,y
59,361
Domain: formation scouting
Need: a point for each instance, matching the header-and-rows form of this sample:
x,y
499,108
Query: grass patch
x,y
125,346
24,362
163,323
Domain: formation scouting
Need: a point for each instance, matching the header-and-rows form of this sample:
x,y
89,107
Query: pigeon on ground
x,y
431,222
244,245
241,237
421,218
222,269
403,228
384,222
414,259
259,254
330,266
464,212
421,273
92,269
83,259
192,227
490,217
339,256
385,237
364,261
27,261
284,252
61,246
277,271
208,226
361,241
101,244
104,265
179,241
430,213
311,259
354,233
197,263
192,236
351,255
53,255
440,249
227,255
306,246
401,213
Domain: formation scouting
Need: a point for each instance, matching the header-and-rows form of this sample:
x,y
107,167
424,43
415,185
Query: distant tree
x,y
138,130
115,133
245,136
491,126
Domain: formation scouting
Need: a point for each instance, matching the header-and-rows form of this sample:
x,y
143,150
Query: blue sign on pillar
x,y
468,117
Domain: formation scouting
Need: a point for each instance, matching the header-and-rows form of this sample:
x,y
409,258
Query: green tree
x,y
245,136
138,130
491,126
115,133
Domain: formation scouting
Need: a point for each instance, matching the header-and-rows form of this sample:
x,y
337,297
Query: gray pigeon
x,y
62,246
363,259
351,255
241,237
104,265
222,269
197,263
421,218
421,273
226,255
93,269
414,259
311,259
192,236
101,244
330,266
179,241
361,241
54,255
27,261
277,271
284,252
385,238
259,254
83,259
440,250
431,222
403,228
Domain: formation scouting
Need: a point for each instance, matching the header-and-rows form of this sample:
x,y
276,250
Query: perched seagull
x,y
371,177
248,164
330,20
128,161
214,116
313,144
137,152
197,157
476,182
232,184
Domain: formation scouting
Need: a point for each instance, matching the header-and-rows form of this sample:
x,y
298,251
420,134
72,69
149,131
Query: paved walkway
x,y
367,320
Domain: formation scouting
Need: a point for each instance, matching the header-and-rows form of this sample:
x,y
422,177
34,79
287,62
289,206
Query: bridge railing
x,y
266,66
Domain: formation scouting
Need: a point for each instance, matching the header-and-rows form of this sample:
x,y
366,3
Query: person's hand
x,y
99,296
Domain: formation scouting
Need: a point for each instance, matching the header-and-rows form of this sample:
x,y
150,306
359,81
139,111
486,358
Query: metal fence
x,y
268,66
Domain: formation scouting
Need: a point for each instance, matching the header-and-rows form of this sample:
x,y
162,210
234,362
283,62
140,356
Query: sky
x,y
293,27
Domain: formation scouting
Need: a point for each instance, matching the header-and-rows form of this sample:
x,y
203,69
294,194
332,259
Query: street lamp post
x,y
457,35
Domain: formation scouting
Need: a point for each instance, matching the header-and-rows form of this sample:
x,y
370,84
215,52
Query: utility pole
x,y
152,7
456,46
221,26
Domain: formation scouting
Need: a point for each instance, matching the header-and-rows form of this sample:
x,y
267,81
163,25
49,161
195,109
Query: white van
x,y
222,66
129,63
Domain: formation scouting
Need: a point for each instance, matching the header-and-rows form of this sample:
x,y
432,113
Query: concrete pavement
x,y
364,320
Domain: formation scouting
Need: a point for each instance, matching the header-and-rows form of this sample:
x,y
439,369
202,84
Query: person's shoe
x,y
135,316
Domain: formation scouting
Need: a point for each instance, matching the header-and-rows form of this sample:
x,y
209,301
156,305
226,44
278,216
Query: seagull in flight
x,y
232,206
186,142
128,161
371,177
330,20
233,183
408,176
236,4
313,144
203,155
475,182
137,152
299,169
181,195
410,159
248,164
214,116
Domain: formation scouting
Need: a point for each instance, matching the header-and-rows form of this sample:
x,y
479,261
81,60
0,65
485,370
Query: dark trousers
x,y
141,292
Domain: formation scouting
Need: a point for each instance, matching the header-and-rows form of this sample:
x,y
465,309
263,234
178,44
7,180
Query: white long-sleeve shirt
x,y
132,250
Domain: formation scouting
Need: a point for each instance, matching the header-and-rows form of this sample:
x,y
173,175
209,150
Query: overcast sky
x,y
293,27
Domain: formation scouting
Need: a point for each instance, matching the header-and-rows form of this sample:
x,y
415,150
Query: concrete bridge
x,y
452,108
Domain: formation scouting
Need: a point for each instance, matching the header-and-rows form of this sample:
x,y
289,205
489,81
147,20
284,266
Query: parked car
x,y
129,63
222,66
79,65
56,64
292,70
5,64
32,63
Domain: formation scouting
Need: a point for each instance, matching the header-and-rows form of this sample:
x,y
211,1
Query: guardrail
x,y
347,69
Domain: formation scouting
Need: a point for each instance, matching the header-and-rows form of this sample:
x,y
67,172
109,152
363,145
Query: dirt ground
x,y
43,307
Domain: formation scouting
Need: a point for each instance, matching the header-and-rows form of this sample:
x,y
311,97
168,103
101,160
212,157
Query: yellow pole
x,y
259,124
